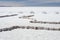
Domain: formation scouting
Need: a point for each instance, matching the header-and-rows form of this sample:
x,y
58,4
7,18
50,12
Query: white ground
x,y
24,34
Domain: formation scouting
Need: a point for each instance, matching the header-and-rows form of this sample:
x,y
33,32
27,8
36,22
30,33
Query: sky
x,y
18,3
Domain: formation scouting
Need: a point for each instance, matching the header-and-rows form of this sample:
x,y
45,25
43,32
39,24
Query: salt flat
x,y
24,34
29,34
